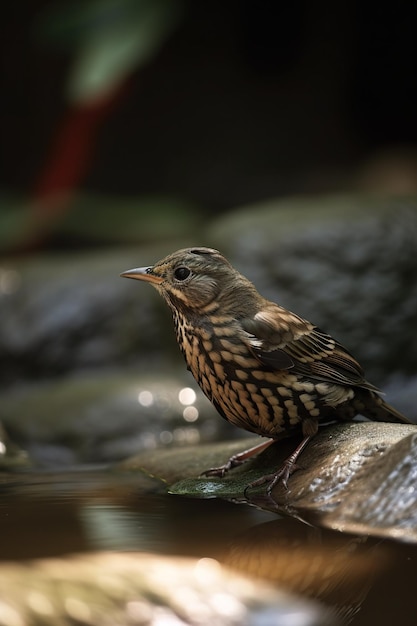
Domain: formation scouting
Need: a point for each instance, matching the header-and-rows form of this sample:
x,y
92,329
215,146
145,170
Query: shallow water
x,y
53,514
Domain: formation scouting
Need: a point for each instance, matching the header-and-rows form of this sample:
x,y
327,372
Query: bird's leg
x,y
287,468
238,459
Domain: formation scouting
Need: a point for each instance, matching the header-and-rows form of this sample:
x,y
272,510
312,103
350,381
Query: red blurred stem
x,y
68,162
72,148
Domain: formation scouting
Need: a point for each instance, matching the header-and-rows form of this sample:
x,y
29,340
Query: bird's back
x,y
249,388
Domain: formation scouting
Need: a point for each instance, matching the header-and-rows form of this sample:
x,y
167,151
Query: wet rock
x,y
63,313
106,416
358,478
386,498
142,589
186,465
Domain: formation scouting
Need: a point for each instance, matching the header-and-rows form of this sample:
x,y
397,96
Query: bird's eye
x,y
181,273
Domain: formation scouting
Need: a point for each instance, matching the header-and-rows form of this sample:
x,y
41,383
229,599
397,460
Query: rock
x,y
143,589
182,468
108,416
63,313
389,500
358,478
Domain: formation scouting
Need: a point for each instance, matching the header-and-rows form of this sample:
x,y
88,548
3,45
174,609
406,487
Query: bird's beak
x,y
143,273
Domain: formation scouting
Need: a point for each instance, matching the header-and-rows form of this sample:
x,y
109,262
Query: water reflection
x,y
145,398
51,514
333,568
187,396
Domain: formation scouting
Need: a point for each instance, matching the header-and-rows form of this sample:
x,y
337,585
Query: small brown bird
x,y
264,368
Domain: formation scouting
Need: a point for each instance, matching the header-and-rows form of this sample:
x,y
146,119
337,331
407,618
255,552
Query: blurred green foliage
x,y
109,38
93,219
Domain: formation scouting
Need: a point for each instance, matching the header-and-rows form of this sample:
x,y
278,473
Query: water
x,y
54,514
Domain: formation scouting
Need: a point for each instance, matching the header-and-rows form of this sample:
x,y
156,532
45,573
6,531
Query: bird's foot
x,y
282,476
288,467
237,459
221,471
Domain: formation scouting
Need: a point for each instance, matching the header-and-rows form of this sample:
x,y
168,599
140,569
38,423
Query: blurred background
x,y
215,104
284,133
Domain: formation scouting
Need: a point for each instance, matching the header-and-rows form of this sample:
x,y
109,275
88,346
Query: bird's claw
x,y
221,471
216,471
282,475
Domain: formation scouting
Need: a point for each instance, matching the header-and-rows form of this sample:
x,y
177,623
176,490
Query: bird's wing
x,y
281,340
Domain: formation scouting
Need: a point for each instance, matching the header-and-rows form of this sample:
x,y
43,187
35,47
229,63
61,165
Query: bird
x,y
264,368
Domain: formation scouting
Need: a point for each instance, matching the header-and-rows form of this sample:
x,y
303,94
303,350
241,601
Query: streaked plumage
x,y
264,368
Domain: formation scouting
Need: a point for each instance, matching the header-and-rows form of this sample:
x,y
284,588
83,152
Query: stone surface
x,y
361,479
65,313
105,417
358,478
142,589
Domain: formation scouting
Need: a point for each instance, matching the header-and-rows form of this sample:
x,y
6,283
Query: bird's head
x,y
193,279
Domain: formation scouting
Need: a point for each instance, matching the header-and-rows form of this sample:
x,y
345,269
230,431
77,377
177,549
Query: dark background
x,y
241,101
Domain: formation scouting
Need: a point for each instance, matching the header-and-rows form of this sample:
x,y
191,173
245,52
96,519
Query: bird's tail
x,y
375,408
